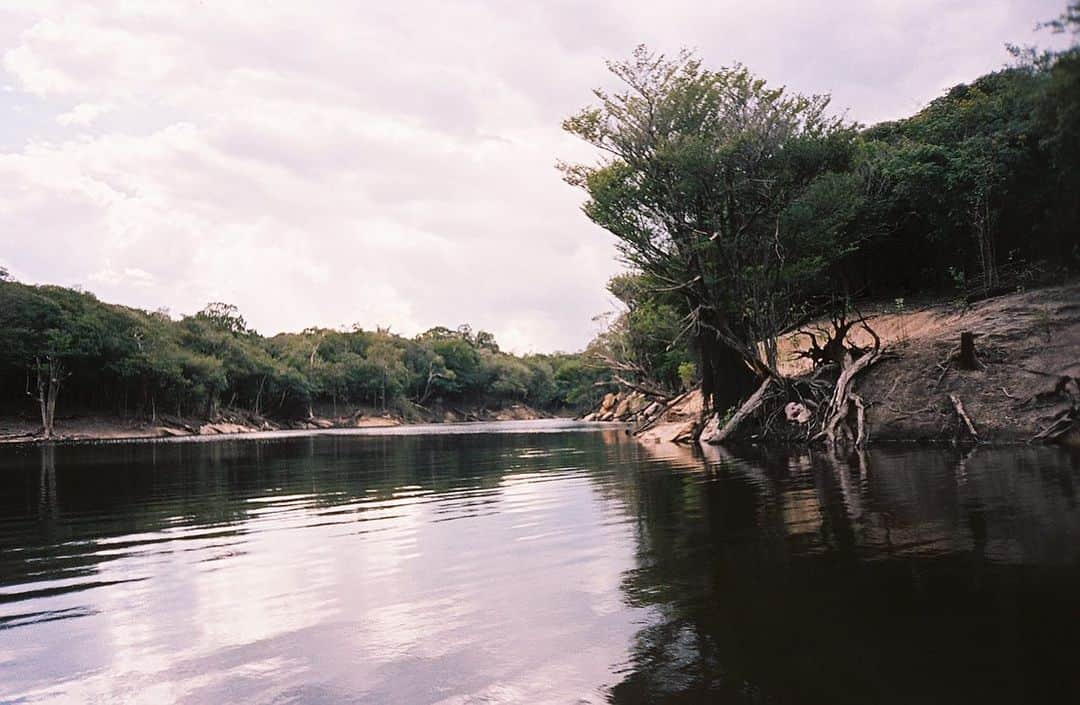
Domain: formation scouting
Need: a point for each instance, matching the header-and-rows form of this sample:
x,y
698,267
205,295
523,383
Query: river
x,y
534,562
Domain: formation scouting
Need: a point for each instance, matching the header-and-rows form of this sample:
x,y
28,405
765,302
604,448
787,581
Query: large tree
x,y
709,180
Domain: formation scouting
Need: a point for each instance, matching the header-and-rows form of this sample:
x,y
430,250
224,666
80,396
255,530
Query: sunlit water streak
x,y
529,563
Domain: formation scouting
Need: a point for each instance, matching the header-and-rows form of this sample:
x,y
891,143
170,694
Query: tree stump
x,y
967,360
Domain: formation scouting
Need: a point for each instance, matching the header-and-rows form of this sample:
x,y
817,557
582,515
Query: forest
x,y
61,346
745,211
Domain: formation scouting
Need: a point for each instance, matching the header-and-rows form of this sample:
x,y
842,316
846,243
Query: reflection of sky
x,y
507,593
490,569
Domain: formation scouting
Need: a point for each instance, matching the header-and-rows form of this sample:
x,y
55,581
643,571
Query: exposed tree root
x,y
862,436
815,401
839,407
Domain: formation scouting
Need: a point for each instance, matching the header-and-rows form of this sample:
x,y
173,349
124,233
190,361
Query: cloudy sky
x,y
388,163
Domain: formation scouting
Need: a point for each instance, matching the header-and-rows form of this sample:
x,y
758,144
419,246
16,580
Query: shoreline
x,y
95,428
1028,343
540,425
1027,379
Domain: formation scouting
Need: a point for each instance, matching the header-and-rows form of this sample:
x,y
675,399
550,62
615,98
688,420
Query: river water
x,y
534,562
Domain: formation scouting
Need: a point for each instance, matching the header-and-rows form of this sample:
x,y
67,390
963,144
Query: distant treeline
x,y
745,210
62,343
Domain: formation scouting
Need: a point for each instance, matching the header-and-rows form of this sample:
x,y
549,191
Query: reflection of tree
x,y
169,493
48,504
798,578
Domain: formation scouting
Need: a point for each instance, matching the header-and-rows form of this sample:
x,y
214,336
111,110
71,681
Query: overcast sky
x,y
388,163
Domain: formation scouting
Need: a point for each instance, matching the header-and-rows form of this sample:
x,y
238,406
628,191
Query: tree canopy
x,y
734,195
116,359
743,209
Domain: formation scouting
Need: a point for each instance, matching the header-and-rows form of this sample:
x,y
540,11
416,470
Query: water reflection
x,y
538,566
888,576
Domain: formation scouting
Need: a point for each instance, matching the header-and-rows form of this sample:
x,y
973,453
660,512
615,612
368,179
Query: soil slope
x,y
1027,342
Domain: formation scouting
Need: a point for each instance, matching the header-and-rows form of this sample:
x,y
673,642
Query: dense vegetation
x,y
120,360
743,210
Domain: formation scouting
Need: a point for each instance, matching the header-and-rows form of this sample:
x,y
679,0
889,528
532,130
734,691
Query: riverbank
x,y
1027,346
98,427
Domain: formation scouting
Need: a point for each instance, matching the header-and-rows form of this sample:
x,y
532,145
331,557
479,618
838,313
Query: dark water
x,y
534,566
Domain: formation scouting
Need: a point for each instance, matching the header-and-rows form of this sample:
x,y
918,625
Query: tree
x,y
387,364
643,346
46,331
1059,115
224,316
698,171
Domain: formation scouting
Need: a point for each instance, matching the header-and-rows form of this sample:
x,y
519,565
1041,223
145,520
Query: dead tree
x,y
837,349
966,358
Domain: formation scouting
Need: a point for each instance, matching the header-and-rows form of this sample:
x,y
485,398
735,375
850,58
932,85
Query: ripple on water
x,y
553,565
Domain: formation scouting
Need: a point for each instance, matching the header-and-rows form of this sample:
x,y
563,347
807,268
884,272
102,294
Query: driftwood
x,y
1066,420
745,411
645,389
660,414
958,406
835,352
1062,423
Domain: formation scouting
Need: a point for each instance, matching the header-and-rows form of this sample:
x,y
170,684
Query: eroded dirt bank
x,y
1028,349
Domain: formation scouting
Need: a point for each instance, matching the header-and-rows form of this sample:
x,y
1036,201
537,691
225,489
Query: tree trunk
x,y
706,352
42,387
54,391
49,377
258,396
967,359
732,380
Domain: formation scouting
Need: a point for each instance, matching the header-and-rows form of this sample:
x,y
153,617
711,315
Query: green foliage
x,y
743,209
639,342
687,374
719,185
130,361
730,197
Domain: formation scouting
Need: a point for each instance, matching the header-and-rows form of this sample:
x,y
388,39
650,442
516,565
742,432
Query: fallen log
x,y
649,423
1062,423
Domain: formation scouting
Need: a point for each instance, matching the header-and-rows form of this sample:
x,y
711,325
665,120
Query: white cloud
x,y
130,275
83,114
386,163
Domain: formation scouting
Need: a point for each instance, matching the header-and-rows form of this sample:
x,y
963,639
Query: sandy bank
x,y
104,427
